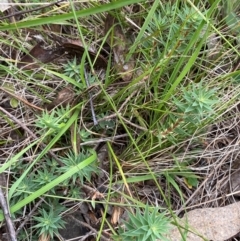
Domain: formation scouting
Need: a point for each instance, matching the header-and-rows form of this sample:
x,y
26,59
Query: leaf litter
x,y
218,223
39,54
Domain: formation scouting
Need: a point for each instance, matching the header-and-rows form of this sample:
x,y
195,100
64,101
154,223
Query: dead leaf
x,y
53,28
44,237
64,97
76,47
120,49
92,218
216,224
97,195
39,54
117,212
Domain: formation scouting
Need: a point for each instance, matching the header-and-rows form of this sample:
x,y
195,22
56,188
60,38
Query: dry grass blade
x,y
167,119
21,99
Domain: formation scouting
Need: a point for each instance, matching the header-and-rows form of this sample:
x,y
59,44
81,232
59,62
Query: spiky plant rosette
x,y
149,226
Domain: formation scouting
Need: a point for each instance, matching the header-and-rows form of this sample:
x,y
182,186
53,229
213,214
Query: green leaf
x,y
192,181
14,102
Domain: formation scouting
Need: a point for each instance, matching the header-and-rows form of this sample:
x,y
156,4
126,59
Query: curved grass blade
x,y
59,18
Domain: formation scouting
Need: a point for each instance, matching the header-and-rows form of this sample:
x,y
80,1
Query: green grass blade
x,y
174,80
45,150
52,184
138,179
64,77
59,18
143,29
14,159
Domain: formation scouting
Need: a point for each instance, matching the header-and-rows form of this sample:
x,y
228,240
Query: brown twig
x,y
6,214
201,185
84,237
31,10
21,99
28,216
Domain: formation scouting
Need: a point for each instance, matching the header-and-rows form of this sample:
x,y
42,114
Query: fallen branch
x,y
9,223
